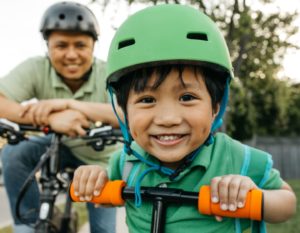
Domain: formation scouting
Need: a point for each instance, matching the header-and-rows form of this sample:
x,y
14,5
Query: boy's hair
x,y
137,80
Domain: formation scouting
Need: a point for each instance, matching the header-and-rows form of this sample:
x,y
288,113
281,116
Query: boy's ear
x,y
216,110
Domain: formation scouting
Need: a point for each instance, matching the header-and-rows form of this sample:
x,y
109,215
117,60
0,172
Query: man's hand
x,y
69,122
39,112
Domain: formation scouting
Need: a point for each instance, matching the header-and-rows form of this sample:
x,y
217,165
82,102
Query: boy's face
x,y
173,120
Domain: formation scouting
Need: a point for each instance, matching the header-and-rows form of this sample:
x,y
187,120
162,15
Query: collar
x,y
87,87
203,159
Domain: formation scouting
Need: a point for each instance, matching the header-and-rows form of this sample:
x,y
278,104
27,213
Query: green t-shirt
x,y
224,156
36,78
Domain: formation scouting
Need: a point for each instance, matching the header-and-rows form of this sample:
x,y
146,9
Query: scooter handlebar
x,y
112,194
253,207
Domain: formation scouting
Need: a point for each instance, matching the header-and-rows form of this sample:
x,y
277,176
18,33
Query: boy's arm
x,y
279,205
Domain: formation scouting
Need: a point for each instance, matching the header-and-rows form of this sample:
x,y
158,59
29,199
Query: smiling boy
x,y
171,82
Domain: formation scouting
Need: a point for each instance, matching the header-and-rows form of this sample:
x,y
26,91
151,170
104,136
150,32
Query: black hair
x,y
215,81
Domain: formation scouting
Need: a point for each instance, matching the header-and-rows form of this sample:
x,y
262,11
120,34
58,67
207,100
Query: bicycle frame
x,y
51,186
49,164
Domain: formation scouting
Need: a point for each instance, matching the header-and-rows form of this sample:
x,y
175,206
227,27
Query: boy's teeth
x,y
168,138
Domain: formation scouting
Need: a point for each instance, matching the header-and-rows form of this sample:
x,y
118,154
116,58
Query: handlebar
x,y
97,137
14,133
116,192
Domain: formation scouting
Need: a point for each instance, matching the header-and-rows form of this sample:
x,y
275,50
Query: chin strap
x,y
219,121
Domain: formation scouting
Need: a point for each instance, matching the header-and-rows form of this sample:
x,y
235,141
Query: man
x,y
70,88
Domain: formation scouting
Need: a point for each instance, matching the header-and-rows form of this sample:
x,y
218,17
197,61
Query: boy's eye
x,y
187,97
147,100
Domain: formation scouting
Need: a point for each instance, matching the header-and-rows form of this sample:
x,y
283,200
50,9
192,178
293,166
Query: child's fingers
x,y
233,192
100,182
90,184
246,185
219,218
214,189
224,191
83,182
76,179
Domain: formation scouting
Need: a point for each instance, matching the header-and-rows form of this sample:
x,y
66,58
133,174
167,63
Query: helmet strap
x,y
219,121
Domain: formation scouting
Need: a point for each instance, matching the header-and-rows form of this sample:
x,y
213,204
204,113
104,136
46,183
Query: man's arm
x,y
40,112
11,110
97,111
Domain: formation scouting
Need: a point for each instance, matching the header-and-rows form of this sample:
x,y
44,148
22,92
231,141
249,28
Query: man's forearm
x,y
10,110
96,111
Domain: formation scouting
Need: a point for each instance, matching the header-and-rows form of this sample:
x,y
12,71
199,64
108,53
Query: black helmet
x,y
69,16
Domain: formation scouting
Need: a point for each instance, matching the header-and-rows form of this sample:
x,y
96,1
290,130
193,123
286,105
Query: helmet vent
x,y
197,36
62,16
79,18
126,43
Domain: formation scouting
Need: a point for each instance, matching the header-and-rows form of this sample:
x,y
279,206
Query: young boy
x,y
170,69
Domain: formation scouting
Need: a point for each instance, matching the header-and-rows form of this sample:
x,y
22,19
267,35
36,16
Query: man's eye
x,y
80,46
187,97
61,46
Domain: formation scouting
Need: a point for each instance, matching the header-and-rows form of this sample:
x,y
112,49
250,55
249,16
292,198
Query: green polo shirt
x,y
224,156
36,78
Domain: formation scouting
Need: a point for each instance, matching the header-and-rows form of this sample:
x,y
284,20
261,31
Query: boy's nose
x,y
167,116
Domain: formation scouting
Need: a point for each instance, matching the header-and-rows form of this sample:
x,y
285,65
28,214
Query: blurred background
x,y
264,41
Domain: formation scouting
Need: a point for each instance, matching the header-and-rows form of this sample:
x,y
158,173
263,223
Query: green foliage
x,y
293,111
240,110
258,40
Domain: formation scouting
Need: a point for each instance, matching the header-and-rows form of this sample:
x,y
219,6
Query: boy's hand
x,y
88,181
230,191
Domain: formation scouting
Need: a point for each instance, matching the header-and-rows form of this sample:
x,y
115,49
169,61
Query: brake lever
x,y
104,137
11,131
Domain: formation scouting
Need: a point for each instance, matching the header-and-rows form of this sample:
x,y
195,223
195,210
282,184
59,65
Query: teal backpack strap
x,y
260,226
128,169
244,171
256,226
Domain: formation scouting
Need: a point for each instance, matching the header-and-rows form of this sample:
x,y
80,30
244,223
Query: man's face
x,y
71,54
173,120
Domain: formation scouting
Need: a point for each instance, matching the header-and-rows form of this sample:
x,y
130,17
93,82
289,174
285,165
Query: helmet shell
x,y
69,16
168,33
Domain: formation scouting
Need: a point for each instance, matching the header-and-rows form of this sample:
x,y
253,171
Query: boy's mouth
x,y
168,137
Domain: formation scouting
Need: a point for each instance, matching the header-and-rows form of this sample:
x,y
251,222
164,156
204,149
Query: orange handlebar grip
x,y
110,194
251,210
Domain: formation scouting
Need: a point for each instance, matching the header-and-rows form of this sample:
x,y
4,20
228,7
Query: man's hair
x,y
215,81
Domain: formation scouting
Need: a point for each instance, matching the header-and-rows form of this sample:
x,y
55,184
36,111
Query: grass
x,y
80,209
290,226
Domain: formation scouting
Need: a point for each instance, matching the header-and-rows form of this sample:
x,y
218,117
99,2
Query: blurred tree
x,y
293,127
257,41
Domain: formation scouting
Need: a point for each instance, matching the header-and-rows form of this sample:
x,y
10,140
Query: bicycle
x,y
116,193
53,181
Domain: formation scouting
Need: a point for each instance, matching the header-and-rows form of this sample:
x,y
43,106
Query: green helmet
x,y
167,33
69,16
